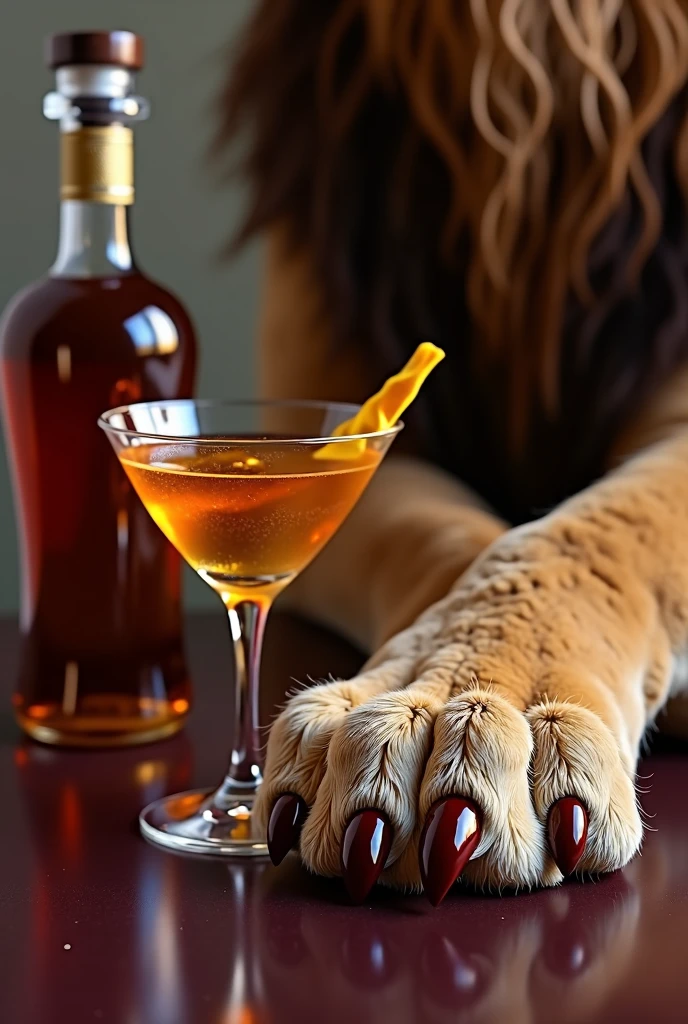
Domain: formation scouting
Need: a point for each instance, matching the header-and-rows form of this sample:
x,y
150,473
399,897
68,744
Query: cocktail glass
x,y
248,493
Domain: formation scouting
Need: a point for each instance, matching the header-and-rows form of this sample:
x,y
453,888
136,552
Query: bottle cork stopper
x,y
119,48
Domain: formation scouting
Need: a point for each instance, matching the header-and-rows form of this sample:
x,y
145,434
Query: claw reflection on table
x,y
101,926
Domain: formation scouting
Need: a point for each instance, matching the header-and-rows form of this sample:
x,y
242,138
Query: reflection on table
x,y
157,938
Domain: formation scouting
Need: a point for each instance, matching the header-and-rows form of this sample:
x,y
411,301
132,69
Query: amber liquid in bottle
x,y
103,661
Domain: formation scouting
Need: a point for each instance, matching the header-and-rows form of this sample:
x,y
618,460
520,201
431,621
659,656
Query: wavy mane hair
x,y
506,177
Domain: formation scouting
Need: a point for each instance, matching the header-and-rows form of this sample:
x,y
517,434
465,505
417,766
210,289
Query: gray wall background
x,y
181,217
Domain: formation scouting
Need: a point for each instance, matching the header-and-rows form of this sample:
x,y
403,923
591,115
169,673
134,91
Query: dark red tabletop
x,y
96,925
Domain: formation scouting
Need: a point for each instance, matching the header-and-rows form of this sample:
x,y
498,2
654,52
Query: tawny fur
x,y
531,662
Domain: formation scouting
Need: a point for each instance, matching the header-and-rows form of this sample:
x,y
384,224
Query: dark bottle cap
x,y
123,49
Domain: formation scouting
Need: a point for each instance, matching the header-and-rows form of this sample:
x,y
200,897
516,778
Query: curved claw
x,y
567,826
450,835
365,848
287,816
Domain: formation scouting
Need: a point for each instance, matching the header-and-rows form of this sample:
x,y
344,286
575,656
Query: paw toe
x,y
375,763
482,751
578,760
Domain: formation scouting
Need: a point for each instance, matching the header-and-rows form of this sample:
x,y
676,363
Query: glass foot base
x,y
200,822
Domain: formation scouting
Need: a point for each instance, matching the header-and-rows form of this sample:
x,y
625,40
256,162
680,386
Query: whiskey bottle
x,y
102,658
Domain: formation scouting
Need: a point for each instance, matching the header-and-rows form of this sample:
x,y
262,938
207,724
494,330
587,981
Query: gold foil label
x,y
97,165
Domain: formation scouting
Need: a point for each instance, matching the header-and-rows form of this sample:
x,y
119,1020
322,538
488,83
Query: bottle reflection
x,y
80,810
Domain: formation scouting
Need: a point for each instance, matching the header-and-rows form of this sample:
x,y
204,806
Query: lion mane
x,y
508,178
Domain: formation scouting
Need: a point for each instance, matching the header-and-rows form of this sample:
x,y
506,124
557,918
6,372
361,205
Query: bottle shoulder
x,y
35,301
125,307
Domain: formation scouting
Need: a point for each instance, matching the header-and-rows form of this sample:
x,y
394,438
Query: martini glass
x,y
248,493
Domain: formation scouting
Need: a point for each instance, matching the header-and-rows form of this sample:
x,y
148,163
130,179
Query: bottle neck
x,y
94,240
96,188
96,107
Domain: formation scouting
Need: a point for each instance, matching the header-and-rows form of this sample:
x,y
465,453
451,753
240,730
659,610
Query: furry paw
x,y
485,743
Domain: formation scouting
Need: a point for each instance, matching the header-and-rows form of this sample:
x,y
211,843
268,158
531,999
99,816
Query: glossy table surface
x,y
96,925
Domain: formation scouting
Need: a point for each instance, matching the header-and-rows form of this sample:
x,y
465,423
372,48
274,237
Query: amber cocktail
x,y
248,493
245,517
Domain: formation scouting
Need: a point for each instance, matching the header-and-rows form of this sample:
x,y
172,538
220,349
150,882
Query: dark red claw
x,y
568,830
287,816
365,848
450,836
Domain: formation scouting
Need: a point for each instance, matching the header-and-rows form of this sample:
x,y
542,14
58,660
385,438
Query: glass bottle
x,y
103,660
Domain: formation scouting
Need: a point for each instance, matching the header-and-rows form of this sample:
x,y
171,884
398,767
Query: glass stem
x,y
247,624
